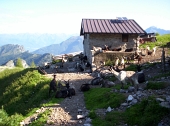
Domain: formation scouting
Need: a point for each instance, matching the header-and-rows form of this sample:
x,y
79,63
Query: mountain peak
x,y
154,29
11,49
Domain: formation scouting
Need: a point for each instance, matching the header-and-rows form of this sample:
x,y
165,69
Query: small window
x,y
124,37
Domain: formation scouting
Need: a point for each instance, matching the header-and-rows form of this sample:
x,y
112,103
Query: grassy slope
x,y
22,91
162,40
146,113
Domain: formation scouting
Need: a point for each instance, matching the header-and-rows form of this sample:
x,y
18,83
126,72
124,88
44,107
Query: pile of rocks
x,y
162,96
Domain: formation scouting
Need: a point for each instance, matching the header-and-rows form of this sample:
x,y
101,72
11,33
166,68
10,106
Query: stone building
x,y
111,32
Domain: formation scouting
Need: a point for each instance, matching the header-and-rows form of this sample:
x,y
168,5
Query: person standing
x,y
53,85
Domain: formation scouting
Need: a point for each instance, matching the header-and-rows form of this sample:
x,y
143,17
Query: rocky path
x,y
65,114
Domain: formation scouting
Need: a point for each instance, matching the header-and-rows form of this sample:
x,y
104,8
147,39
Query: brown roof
x,y
128,26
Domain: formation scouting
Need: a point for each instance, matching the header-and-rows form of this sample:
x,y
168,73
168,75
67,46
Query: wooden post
x,y
163,59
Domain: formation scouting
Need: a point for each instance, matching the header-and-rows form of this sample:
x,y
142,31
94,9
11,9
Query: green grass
x,y
161,42
42,119
132,67
57,61
109,62
146,113
102,98
156,85
22,92
163,74
6,120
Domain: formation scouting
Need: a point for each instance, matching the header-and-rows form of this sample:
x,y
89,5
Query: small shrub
x,y
32,64
156,85
57,61
19,63
132,67
109,62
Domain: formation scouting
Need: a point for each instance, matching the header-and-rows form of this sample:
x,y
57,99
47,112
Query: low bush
x,y
156,85
57,61
109,62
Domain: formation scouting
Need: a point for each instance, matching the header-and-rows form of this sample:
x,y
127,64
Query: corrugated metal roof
x,y
110,26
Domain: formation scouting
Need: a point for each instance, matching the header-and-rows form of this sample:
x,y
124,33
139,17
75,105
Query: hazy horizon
x,y
53,17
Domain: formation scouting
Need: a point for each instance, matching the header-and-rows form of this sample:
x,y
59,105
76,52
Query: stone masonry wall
x,y
115,40
111,55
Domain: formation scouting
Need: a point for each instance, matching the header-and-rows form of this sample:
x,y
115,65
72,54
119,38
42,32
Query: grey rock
x,y
168,98
88,120
10,63
122,91
124,104
79,111
80,116
138,92
134,101
131,89
130,98
160,99
165,104
109,109
87,124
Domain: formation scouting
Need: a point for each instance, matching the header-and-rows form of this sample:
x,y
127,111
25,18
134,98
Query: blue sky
x,y
64,16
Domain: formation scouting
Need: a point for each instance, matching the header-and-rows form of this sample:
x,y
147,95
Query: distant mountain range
x,y
154,29
73,44
12,52
32,42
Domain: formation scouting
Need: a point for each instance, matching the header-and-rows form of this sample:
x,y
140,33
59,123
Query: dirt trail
x,y
66,112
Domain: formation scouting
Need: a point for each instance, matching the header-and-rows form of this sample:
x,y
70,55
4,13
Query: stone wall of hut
x,y
111,55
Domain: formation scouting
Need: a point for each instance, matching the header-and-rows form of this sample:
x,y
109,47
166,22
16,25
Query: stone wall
x,y
115,40
111,55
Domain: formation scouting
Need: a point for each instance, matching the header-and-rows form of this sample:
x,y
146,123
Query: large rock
x,y
10,64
